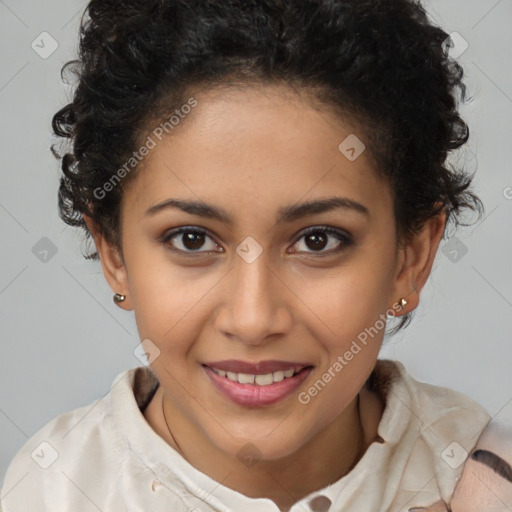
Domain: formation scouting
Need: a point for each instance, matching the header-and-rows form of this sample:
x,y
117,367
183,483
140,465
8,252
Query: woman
x,y
266,187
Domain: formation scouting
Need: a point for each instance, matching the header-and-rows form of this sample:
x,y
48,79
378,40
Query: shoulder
x,y
104,456
447,411
449,419
438,427
486,481
82,440
448,408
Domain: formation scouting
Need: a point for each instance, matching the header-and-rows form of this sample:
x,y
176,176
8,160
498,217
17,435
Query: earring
x,y
403,302
119,298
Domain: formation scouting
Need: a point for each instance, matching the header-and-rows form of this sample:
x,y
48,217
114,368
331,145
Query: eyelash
x,y
345,239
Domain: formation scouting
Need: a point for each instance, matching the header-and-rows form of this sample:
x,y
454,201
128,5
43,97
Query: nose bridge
x,y
255,300
253,278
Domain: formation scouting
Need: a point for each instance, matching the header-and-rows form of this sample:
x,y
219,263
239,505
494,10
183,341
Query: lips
x,y
257,384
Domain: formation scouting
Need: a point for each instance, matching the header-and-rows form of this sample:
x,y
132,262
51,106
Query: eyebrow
x,y
285,214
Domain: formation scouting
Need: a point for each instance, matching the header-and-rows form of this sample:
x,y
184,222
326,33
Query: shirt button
x,y
155,484
320,504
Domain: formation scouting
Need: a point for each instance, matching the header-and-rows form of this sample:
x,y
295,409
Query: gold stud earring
x,y
403,302
119,298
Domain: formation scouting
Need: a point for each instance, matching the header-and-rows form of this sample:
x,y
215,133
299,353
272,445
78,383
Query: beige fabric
x,y
110,459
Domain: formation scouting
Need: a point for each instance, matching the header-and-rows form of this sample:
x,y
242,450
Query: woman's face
x,y
290,258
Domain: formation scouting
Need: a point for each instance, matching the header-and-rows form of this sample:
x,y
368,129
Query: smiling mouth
x,y
258,379
257,385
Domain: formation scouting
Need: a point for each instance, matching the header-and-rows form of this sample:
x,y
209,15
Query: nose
x,y
256,306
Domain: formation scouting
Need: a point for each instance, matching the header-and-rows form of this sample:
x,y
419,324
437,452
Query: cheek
x,y
166,298
352,307
354,299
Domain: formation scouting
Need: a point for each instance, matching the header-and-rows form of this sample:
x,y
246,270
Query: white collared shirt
x,y
106,457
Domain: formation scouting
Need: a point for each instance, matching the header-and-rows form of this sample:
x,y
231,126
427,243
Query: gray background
x,y
64,341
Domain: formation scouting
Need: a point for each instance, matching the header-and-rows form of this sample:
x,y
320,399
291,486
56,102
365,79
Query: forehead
x,y
258,147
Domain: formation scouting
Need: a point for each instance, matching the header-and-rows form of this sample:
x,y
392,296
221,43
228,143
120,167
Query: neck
x,y
321,461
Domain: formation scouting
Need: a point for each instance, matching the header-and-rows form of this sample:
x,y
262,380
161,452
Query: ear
x,y
415,260
112,262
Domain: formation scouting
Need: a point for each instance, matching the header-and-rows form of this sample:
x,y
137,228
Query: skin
x,y
252,151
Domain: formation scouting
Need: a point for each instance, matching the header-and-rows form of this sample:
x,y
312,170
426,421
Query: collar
x,y
399,429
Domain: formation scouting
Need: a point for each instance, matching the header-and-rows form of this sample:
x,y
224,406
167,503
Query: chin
x,y
252,448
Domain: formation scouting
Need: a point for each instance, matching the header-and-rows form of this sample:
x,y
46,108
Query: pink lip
x,y
261,368
253,395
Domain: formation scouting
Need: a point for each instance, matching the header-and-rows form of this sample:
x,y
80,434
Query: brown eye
x,y
316,241
190,240
319,238
193,241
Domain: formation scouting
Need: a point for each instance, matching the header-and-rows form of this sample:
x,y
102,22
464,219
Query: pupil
x,y
193,240
319,240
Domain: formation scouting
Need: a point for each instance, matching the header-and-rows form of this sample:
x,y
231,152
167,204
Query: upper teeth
x,y
261,380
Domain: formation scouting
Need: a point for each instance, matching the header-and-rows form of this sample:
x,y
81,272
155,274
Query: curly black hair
x,y
381,63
